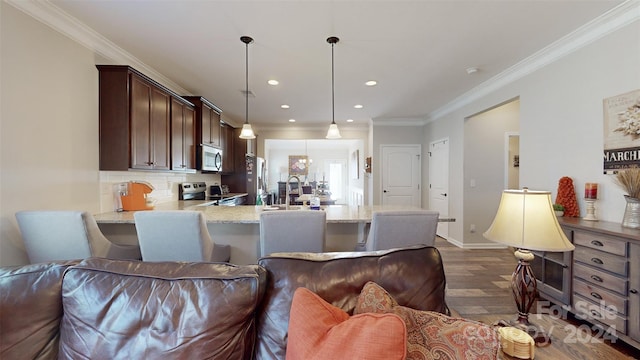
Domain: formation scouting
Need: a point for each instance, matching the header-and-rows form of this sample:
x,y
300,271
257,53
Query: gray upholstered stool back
x,y
177,235
396,229
67,235
292,231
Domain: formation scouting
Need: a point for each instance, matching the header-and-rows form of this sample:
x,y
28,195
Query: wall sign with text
x,y
621,131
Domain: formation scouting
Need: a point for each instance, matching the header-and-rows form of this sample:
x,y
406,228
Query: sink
x,y
282,207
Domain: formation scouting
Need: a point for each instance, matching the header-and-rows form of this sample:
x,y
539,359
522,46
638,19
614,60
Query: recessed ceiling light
x,y
371,83
273,82
358,106
284,106
349,120
292,120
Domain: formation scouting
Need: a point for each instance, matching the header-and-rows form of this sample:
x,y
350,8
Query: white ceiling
x,y
418,51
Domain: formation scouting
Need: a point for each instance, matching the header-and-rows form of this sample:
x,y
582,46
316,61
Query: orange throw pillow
x,y
319,330
432,335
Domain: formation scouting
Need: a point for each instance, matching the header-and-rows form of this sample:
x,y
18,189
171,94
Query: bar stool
x,y
400,228
67,235
292,231
177,235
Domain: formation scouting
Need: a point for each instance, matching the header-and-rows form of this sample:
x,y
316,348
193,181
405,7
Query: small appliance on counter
x,y
133,196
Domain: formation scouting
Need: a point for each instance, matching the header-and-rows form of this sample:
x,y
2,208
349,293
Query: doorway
x,y
439,182
401,174
512,160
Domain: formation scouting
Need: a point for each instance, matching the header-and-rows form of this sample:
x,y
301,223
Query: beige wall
x,y
561,125
49,131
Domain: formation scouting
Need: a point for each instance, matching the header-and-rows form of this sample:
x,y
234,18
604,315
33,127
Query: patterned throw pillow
x,y
432,335
319,330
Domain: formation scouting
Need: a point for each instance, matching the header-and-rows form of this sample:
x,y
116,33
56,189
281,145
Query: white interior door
x,y
401,175
439,182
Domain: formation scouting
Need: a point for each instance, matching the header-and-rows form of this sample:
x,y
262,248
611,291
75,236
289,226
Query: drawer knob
x,y
597,261
596,278
596,243
596,314
596,295
633,291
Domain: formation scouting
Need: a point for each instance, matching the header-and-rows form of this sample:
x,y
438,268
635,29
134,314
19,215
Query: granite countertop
x,y
248,214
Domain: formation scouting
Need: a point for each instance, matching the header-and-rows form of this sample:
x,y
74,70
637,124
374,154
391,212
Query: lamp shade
x,y
525,220
247,132
334,132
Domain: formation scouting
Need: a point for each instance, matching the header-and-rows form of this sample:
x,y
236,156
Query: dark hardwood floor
x,y
478,288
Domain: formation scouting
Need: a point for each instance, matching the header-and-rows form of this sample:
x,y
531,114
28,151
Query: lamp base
x,y
539,335
525,292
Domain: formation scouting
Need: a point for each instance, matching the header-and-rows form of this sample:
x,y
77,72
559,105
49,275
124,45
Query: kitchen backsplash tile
x,y
165,184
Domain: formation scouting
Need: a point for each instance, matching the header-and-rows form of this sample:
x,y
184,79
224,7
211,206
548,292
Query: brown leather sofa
x,y
115,309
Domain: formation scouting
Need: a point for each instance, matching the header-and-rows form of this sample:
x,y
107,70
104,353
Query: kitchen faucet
x,y
288,190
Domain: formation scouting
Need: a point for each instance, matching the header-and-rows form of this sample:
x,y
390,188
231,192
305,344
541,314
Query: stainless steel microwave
x,y
211,158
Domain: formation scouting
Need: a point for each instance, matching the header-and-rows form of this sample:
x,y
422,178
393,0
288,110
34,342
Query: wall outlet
x,y
472,228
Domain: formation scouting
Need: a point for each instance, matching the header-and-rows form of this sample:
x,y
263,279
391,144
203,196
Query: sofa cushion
x,y
319,330
433,335
30,310
166,310
414,276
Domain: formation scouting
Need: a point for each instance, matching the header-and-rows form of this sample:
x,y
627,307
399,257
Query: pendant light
x,y
333,132
247,131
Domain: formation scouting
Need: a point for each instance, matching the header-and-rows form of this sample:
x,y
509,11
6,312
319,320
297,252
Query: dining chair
x,y
292,231
50,235
177,235
400,228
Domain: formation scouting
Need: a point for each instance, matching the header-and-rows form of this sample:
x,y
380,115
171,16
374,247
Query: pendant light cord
x,y
246,95
333,95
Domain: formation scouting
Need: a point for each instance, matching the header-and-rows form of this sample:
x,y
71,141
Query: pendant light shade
x,y
333,132
247,131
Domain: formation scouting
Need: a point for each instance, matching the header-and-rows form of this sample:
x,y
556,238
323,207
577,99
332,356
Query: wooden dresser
x,y
605,273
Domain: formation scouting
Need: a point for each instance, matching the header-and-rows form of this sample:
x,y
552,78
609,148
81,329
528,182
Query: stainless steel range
x,y
192,191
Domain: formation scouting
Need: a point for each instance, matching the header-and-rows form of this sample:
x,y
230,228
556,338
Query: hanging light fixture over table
x,y
333,132
247,131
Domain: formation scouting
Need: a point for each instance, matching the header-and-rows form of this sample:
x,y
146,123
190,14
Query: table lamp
x,y
525,220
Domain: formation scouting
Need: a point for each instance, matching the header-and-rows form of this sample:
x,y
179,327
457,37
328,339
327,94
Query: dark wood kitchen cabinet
x,y
207,121
228,141
183,136
135,115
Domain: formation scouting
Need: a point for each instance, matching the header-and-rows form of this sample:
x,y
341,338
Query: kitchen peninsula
x,y
239,226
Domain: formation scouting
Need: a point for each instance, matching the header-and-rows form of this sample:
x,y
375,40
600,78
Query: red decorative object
x,y
567,197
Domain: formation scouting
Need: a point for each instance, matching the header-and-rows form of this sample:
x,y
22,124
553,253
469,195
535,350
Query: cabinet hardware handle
x,y
597,261
633,291
565,266
596,243
596,314
596,295
596,278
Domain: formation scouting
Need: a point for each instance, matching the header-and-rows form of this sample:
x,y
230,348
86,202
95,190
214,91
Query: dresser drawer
x,y
599,242
601,260
600,296
585,309
600,278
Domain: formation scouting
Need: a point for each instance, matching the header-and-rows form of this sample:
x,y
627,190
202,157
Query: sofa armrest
x,y
31,309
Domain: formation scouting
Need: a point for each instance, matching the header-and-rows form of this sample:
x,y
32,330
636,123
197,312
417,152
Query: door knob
x,y
444,194
384,191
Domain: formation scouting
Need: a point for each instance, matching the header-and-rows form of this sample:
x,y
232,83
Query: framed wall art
x,y
298,165
621,131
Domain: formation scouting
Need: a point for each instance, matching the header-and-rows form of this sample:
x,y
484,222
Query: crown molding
x,y
54,17
408,121
614,19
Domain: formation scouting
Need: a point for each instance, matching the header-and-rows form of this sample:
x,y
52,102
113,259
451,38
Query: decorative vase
x,y
631,218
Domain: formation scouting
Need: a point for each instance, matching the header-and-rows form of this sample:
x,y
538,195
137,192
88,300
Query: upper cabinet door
x,y
182,136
